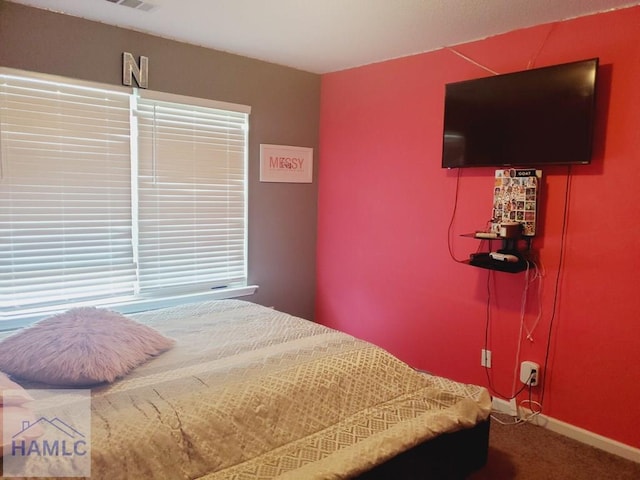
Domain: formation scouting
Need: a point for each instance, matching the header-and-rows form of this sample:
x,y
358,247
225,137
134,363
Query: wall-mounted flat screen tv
x,y
536,117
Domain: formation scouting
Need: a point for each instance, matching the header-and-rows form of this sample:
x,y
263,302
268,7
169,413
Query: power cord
x,y
563,235
536,407
537,276
529,280
514,396
453,217
533,413
520,336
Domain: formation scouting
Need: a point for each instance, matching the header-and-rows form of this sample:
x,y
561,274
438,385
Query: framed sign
x,y
283,163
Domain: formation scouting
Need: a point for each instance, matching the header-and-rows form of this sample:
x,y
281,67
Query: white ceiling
x,y
323,36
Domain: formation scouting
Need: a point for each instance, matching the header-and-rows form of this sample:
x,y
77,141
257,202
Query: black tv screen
x,y
542,116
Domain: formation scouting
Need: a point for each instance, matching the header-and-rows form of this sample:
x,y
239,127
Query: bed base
x,y
451,456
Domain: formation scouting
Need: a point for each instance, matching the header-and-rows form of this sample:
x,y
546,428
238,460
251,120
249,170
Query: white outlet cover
x,y
485,360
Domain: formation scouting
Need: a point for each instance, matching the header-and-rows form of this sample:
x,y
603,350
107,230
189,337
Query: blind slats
x,y
65,192
187,208
69,201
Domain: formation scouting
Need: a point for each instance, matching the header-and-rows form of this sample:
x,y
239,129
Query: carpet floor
x,y
529,452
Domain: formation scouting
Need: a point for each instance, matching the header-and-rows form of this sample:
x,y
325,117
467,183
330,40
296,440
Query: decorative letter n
x,y
130,68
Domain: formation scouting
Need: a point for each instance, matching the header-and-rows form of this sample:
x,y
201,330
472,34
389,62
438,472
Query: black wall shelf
x,y
483,260
509,246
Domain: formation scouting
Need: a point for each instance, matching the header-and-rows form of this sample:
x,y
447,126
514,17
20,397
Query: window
x,y
110,195
191,188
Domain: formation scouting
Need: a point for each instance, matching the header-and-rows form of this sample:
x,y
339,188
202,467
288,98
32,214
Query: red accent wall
x,y
385,272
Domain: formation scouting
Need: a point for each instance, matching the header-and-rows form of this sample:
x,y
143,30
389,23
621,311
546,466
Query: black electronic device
x,y
541,116
511,261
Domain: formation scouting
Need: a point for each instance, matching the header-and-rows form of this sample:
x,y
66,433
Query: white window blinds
x,y
192,201
65,191
105,194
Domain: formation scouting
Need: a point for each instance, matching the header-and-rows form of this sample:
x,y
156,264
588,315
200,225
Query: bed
x,y
248,392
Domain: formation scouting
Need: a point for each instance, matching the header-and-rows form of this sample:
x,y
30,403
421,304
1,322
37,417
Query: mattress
x,y
249,392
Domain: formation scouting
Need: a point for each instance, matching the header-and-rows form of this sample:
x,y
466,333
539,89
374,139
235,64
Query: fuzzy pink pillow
x,y
82,346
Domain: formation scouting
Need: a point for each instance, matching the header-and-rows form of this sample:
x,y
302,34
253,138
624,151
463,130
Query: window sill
x,y
142,305
139,304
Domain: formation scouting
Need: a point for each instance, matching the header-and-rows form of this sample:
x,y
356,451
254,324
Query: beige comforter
x,y
252,393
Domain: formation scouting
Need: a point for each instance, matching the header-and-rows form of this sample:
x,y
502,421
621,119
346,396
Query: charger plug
x,y
529,373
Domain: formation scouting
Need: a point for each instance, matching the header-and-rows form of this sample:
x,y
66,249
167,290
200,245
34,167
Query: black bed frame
x,y
450,456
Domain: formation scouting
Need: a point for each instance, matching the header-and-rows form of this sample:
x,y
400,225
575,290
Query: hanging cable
x,y
565,215
470,60
453,217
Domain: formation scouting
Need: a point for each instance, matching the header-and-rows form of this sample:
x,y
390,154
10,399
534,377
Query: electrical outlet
x,y
529,373
485,360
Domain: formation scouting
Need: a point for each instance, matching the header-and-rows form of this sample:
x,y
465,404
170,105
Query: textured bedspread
x,y
252,393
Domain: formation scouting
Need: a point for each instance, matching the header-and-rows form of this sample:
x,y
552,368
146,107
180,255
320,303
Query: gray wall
x,y
285,110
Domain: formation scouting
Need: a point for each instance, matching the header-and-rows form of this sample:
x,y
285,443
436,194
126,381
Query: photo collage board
x,y
515,196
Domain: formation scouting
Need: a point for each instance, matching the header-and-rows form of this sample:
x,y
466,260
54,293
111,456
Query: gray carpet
x,y
529,452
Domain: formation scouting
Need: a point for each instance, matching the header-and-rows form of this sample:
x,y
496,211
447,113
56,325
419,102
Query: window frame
x,y
146,301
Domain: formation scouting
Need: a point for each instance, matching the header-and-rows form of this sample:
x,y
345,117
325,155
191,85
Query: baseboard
x,y
503,406
576,433
593,439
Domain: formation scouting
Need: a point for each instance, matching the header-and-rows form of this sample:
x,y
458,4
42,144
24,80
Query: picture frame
x,y
286,163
